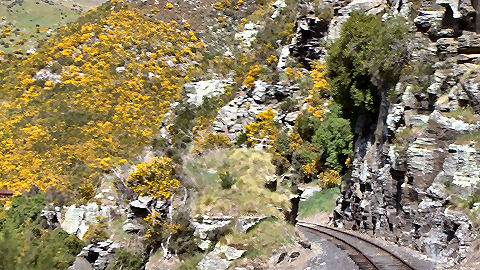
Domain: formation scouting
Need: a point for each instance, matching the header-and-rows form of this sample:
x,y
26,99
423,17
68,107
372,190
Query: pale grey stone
x,y
243,224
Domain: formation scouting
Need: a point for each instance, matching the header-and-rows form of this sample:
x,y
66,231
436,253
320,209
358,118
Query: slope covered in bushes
x,y
91,97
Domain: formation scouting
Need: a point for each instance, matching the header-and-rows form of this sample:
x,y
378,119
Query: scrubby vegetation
x,y
25,244
107,90
97,93
155,178
263,240
128,260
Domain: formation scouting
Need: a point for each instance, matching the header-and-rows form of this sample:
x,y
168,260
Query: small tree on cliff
x,y
365,60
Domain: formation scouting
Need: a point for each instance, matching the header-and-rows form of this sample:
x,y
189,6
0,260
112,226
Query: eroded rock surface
x,y
412,160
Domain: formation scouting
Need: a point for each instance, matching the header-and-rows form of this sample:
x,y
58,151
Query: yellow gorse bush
x,y
155,178
114,84
315,100
329,178
252,76
211,141
309,169
263,129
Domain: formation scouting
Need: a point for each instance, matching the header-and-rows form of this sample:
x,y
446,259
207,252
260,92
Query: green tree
x,y
365,60
335,137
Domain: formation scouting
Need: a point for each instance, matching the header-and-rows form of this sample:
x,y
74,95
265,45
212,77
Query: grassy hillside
x,y
92,96
25,22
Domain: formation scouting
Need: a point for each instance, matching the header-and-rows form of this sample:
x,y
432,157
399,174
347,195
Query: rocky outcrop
x,y
95,256
209,229
248,35
246,223
309,32
233,117
197,91
308,192
413,159
220,258
77,220
139,209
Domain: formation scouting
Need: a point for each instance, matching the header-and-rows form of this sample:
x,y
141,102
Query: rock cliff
x,y
420,154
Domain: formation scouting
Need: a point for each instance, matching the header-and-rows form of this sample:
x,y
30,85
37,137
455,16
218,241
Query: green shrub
x,y
226,180
183,241
97,232
307,124
241,139
304,154
128,260
335,137
25,244
367,58
282,144
288,105
281,164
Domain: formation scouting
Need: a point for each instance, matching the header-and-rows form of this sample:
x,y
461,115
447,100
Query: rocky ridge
x,y
411,162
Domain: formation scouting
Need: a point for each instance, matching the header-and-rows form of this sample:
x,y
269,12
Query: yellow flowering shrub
x,y
252,76
211,141
293,73
272,59
115,86
169,5
315,100
156,178
329,178
157,226
263,130
348,162
309,170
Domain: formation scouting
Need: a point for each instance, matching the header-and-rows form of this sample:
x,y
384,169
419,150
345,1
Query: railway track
x,y
365,253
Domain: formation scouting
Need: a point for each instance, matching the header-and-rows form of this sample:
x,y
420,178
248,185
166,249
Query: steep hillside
x,y
94,94
189,134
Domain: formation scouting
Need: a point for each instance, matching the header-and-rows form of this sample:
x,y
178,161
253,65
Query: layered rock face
x,y
423,150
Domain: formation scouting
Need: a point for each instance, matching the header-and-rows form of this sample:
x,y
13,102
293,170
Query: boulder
x,y
210,228
243,224
229,252
282,59
469,43
141,205
96,255
259,92
212,261
197,91
271,183
73,219
81,264
309,192
132,226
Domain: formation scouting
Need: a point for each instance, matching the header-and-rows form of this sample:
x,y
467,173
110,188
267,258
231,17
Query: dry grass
x,y
263,240
405,136
248,196
469,137
466,114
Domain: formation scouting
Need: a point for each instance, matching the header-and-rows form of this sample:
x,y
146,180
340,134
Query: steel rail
x,y
309,225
